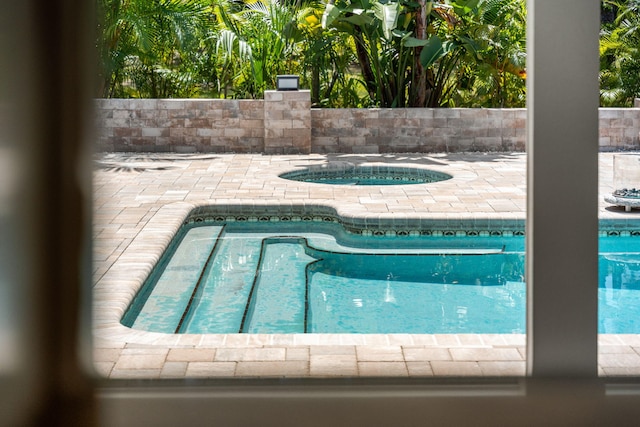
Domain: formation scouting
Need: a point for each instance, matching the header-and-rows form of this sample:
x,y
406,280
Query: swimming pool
x,y
311,276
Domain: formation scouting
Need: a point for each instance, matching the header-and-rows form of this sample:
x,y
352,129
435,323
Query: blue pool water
x,y
294,278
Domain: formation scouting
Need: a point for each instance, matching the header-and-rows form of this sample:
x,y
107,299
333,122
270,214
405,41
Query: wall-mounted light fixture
x,y
287,82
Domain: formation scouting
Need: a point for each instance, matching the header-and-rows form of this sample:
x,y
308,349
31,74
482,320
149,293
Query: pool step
x,y
331,246
226,284
278,298
165,302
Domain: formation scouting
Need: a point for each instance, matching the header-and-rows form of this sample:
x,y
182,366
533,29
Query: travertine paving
x,y
141,199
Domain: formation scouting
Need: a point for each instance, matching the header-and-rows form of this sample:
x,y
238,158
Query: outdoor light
x,y
287,82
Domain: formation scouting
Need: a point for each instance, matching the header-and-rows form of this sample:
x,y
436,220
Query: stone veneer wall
x,y
284,123
418,130
287,122
619,129
180,125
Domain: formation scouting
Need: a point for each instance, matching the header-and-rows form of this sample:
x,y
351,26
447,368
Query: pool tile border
x,y
372,226
145,250
115,292
122,282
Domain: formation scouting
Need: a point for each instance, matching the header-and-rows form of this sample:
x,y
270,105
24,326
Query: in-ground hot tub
x,y
350,174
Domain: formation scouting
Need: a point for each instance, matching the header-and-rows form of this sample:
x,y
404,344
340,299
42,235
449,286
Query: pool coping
x,y
376,354
120,352
114,294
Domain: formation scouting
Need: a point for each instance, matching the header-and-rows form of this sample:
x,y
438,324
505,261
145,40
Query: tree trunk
x,y
418,90
365,63
315,86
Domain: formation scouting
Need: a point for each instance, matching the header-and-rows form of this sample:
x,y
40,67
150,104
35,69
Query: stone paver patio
x,y
141,199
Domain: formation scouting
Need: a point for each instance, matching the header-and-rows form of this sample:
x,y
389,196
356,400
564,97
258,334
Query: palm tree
x,y
495,75
415,54
326,56
268,33
143,45
378,31
412,54
620,54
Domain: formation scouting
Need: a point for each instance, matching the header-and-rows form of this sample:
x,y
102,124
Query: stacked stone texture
x,y
287,122
619,128
180,125
284,123
418,130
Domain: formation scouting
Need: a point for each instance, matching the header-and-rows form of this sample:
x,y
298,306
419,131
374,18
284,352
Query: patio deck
x,y
140,199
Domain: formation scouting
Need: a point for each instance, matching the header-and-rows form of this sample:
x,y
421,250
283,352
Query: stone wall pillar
x,y
287,122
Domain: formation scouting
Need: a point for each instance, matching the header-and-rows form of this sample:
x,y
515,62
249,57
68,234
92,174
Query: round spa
x,y
350,174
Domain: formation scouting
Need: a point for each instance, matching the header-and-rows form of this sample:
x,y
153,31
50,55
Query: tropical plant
x,y
230,52
350,53
268,32
620,54
377,39
146,47
326,56
453,41
495,76
419,53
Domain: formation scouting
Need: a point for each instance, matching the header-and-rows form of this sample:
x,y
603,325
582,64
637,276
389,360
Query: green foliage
x,y
436,53
497,78
620,54
350,53
150,48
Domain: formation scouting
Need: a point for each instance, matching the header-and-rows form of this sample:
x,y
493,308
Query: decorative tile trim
x,y
381,226
620,233
619,227
166,223
386,226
